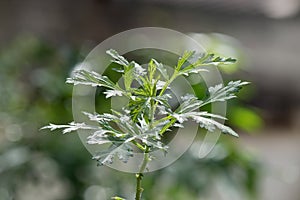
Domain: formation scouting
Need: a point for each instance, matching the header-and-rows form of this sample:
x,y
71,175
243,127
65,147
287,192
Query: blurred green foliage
x,y
32,76
39,165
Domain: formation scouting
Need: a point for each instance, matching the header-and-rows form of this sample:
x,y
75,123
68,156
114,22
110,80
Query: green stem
x,y
139,175
174,76
138,145
139,188
168,83
165,128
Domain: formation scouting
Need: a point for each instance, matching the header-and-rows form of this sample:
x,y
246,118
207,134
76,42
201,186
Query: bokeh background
x,y
42,41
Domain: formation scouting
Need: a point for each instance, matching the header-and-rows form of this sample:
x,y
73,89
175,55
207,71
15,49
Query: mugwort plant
x,y
142,124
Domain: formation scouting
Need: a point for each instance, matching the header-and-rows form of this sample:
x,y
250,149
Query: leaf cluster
x,y
146,118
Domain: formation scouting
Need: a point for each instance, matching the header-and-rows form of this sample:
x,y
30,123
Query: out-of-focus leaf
x,y
117,198
217,60
117,58
245,118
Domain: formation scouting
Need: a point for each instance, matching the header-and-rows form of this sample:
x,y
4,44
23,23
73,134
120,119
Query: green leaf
x,y
163,103
151,69
216,60
128,76
139,108
130,70
246,119
184,59
188,64
169,124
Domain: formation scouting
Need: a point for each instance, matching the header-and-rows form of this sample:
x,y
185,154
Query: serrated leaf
x,y
163,105
151,69
99,137
189,103
112,93
138,70
161,69
131,70
184,59
160,84
72,126
211,125
117,58
139,108
203,60
97,117
123,152
152,139
128,76
221,93
93,79
204,122
217,60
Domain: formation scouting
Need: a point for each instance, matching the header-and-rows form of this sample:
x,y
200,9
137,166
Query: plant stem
x,y
139,188
168,83
139,176
173,77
